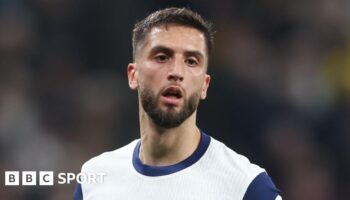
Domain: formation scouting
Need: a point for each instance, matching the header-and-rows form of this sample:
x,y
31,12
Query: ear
x,y
132,76
205,86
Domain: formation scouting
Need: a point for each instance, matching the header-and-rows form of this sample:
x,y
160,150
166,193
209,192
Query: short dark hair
x,y
173,15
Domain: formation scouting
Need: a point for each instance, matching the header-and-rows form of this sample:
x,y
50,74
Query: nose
x,y
176,72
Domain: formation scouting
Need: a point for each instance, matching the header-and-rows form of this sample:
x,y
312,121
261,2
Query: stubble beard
x,y
170,117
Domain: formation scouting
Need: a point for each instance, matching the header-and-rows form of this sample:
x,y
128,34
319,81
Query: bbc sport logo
x,y
47,178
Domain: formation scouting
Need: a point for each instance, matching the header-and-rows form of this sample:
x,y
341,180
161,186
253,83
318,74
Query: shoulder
x,y
233,161
108,159
252,180
111,162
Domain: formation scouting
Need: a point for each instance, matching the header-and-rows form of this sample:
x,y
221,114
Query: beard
x,y
168,118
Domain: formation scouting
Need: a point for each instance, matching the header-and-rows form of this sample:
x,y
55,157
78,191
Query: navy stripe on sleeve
x,y
261,188
78,194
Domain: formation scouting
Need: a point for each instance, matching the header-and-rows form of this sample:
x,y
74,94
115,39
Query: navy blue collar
x,y
148,170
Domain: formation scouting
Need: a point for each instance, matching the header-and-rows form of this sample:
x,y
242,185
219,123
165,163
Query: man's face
x,y
170,73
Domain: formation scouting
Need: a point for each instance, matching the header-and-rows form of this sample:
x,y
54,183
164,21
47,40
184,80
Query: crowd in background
x,y
280,90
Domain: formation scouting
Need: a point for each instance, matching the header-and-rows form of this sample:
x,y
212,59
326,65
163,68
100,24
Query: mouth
x,y
172,92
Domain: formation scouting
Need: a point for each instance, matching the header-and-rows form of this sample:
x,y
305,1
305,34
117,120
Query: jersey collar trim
x,y
148,170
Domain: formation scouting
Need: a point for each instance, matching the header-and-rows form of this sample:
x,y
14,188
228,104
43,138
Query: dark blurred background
x,y
280,91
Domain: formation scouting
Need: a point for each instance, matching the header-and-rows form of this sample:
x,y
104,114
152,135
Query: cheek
x,y
197,75
196,71
196,84
151,77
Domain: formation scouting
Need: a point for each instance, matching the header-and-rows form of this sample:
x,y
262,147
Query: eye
x,y
192,62
161,58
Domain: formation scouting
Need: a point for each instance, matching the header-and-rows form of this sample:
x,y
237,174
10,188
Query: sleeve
x,y
78,193
262,188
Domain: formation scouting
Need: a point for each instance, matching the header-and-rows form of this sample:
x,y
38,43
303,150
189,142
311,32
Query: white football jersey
x,y
212,172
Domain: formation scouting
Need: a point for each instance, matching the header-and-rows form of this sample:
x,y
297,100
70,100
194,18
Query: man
x,y
173,159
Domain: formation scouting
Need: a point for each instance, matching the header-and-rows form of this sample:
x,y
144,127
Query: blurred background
x,y
280,90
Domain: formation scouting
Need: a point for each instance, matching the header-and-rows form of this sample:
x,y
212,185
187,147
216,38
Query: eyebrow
x,y
161,48
169,51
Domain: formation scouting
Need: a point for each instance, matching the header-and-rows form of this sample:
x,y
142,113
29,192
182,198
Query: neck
x,y
163,147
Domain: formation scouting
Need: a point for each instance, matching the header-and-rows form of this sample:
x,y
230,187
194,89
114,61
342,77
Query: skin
x,y
170,56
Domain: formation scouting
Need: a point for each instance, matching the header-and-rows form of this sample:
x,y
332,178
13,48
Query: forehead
x,y
176,37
